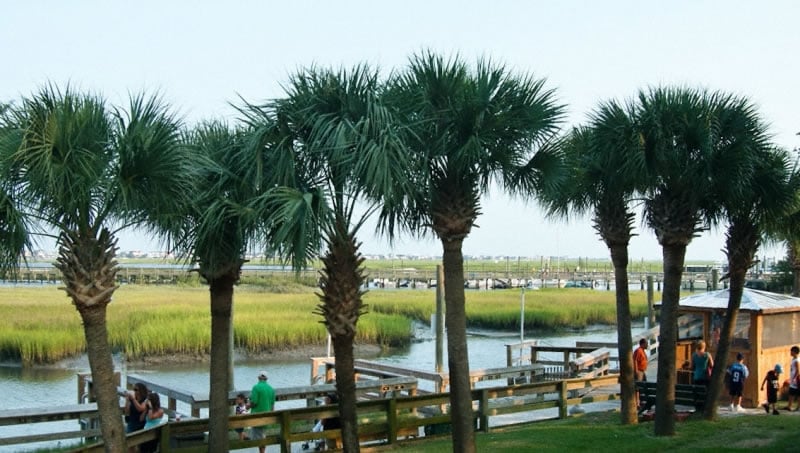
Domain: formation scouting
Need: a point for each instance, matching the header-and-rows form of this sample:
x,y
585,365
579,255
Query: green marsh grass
x,y
548,308
40,325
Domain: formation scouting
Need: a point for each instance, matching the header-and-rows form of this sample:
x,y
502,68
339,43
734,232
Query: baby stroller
x,y
319,444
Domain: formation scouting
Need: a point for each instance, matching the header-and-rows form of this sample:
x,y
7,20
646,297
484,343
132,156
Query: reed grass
x,y
548,308
40,325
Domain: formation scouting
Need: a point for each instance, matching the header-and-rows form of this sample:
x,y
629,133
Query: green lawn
x,y
603,432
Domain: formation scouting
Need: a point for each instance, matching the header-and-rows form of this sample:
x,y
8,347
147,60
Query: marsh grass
x,y
548,308
40,325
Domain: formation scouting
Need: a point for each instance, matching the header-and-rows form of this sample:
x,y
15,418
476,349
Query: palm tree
x,y
681,137
762,197
467,129
786,229
602,179
86,171
333,145
214,230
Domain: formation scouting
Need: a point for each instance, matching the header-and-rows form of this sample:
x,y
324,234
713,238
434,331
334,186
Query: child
x,y
737,373
773,382
241,409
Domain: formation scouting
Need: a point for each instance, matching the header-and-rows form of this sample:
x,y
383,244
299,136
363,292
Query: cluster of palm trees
x,y
300,175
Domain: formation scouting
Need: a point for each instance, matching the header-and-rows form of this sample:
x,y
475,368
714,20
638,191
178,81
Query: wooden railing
x,y
364,388
440,381
387,420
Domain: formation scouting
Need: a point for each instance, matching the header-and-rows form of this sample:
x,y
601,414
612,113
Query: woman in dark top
x,y
135,408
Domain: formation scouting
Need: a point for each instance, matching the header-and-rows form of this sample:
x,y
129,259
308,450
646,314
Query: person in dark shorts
x,y
737,374
773,382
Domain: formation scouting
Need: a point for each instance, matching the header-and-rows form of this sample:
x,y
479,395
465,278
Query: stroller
x,y
319,444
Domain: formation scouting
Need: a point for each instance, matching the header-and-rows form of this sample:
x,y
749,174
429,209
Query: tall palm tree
x,y
333,145
214,230
15,232
602,179
467,129
786,229
86,171
762,196
681,133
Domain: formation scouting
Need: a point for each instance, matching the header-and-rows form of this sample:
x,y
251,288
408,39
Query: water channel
x,y
44,386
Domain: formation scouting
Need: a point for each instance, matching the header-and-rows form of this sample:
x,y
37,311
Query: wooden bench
x,y
685,395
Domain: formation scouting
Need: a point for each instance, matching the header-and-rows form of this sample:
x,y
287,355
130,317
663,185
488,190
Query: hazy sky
x,y
203,55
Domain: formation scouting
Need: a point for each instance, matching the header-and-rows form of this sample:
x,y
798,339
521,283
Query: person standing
x,y
640,365
241,409
794,380
153,417
737,373
773,382
262,399
702,364
134,408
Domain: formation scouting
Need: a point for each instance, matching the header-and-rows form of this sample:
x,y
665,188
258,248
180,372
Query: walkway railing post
x,y
562,399
164,434
391,419
286,432
483,411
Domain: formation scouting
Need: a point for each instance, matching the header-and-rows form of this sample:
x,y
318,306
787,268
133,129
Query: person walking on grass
x,y
773,382
262,399
737,373
794,380
702,364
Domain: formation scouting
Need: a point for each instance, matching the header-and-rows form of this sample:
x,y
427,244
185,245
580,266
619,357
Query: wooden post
x,y
391,420
651,315
164,434
562,399
483,411
439,317
286,432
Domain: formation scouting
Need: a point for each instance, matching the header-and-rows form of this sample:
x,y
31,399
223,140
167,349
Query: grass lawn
x,y
601,431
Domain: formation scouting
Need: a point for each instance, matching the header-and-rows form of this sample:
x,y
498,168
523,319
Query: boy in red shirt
x,y
640,365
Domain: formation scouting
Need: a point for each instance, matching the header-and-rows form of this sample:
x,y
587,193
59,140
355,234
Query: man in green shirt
x,y
262,399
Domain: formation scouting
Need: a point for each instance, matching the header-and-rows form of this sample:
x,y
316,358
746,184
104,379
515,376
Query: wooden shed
x,y
767,326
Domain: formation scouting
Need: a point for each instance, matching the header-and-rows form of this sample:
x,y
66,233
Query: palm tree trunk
x,y
346,385
628,413
724,345
219,409
674,255
457,354
741,245
794,261
102,366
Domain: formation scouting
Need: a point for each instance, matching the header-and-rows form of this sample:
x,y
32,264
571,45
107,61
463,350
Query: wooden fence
x,y
383,420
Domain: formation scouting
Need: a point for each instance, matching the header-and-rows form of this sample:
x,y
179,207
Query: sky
x,y
203,56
